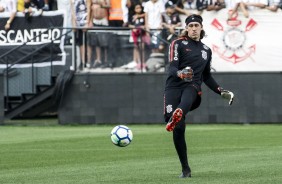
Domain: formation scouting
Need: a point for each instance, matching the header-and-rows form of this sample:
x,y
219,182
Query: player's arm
x,y
208,79
212,84
185,74
173,57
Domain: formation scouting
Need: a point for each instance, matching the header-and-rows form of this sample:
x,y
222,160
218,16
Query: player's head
x,y
194,27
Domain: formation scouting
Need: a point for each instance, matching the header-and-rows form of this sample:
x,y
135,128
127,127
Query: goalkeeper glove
x,y
227,95
186,74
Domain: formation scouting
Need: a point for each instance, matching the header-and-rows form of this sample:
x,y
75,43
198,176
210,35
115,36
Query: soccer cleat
x,y
185,175
174,119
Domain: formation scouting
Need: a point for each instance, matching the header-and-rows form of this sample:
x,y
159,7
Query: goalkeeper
x,y
190,65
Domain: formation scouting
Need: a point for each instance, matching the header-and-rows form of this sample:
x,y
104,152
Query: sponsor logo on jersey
x,y
204,54
175,52
169,108
185,42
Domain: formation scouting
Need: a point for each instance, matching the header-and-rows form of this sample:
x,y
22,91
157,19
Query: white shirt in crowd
x,y
9,5
154,11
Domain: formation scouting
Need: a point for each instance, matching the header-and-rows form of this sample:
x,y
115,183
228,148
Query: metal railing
x,y
118,31
11,66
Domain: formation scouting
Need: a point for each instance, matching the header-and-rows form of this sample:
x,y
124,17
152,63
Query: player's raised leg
x,y
174,119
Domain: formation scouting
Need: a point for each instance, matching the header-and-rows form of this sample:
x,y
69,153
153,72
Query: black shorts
x,y
99,39
79,37
186,98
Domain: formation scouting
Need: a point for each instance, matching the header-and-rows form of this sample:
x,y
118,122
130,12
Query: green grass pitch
x,y
218,154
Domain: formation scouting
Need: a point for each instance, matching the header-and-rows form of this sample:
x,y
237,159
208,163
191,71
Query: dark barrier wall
x,y
138,98
1,99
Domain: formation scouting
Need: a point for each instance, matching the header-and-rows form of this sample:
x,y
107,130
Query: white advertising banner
x,y
244,44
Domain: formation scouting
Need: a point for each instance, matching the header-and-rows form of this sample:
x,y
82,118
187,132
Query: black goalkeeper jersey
x,y
185,52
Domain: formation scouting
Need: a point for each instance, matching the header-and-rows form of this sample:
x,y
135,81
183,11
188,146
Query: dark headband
x,y
194,18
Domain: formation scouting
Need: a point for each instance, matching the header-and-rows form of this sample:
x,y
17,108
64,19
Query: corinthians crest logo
x,y
234,40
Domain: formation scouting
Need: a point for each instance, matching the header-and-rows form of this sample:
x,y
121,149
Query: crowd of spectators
x,y
27,7
148,19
